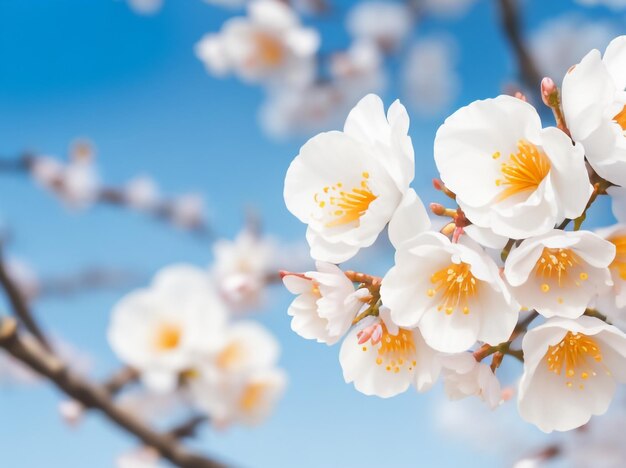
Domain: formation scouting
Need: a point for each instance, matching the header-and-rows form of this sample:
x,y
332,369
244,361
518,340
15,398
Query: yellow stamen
x,y
556,265
270,50
167,336
621,118
524,170
345,207
457,285
396,351
619,262
576,354
230,355
251,397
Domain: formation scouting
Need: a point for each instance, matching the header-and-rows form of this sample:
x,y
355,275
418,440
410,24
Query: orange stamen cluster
x,y
577,355
560,267
396,352
343,206
524,171
619,262
621,118
456,285
168,336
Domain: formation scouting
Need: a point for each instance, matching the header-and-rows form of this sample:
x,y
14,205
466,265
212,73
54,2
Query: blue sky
x,y
71,68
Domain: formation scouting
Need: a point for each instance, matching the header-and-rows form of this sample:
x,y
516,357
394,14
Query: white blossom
x,y
430,80
463,376
594,105
560,272
241,269
268,45
508,173
451,291
326,304
571,368
560,42
142,193
387,359
162,330
386,23
346,186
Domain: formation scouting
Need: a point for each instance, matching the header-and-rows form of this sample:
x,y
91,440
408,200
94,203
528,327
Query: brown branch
x,y
188,428
112,196
120,379
95,397
19,304
511,24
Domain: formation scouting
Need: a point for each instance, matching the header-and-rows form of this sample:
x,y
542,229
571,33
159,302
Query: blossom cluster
x,y
309,88
184,334
78,184
513,252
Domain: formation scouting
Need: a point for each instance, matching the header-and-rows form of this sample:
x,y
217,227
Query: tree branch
x,y
95,397
510,21
164,210
19,305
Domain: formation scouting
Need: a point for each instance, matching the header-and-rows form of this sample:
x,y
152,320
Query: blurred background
x,y
124,76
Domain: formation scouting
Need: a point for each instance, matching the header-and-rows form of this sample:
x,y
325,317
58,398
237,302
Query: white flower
x,y
386,23
570,372
161,330
613,303
464,376
508,173
142,193
560,42
594,105
613,4
326,303
387,360
560,272
323,105
145,7
452,291
242,267
187,210
24,277
347,185
269,44
446,8
431,81
144,457
240,382
239,398
245,346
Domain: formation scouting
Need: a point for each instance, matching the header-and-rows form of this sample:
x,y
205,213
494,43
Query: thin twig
x,y
19,304
95,397
510,19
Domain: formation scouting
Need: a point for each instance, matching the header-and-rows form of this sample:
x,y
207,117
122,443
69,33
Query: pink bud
x,y
438,209
548,88
373,332
437,184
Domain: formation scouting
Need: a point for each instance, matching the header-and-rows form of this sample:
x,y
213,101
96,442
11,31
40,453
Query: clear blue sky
x,y
72,68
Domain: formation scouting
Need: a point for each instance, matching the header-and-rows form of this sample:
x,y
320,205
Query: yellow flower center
x,y
343,206
270,50
251,396
455,285
560,266
577,355
621,118
230,355
396,351
619,262
524,171
167,336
